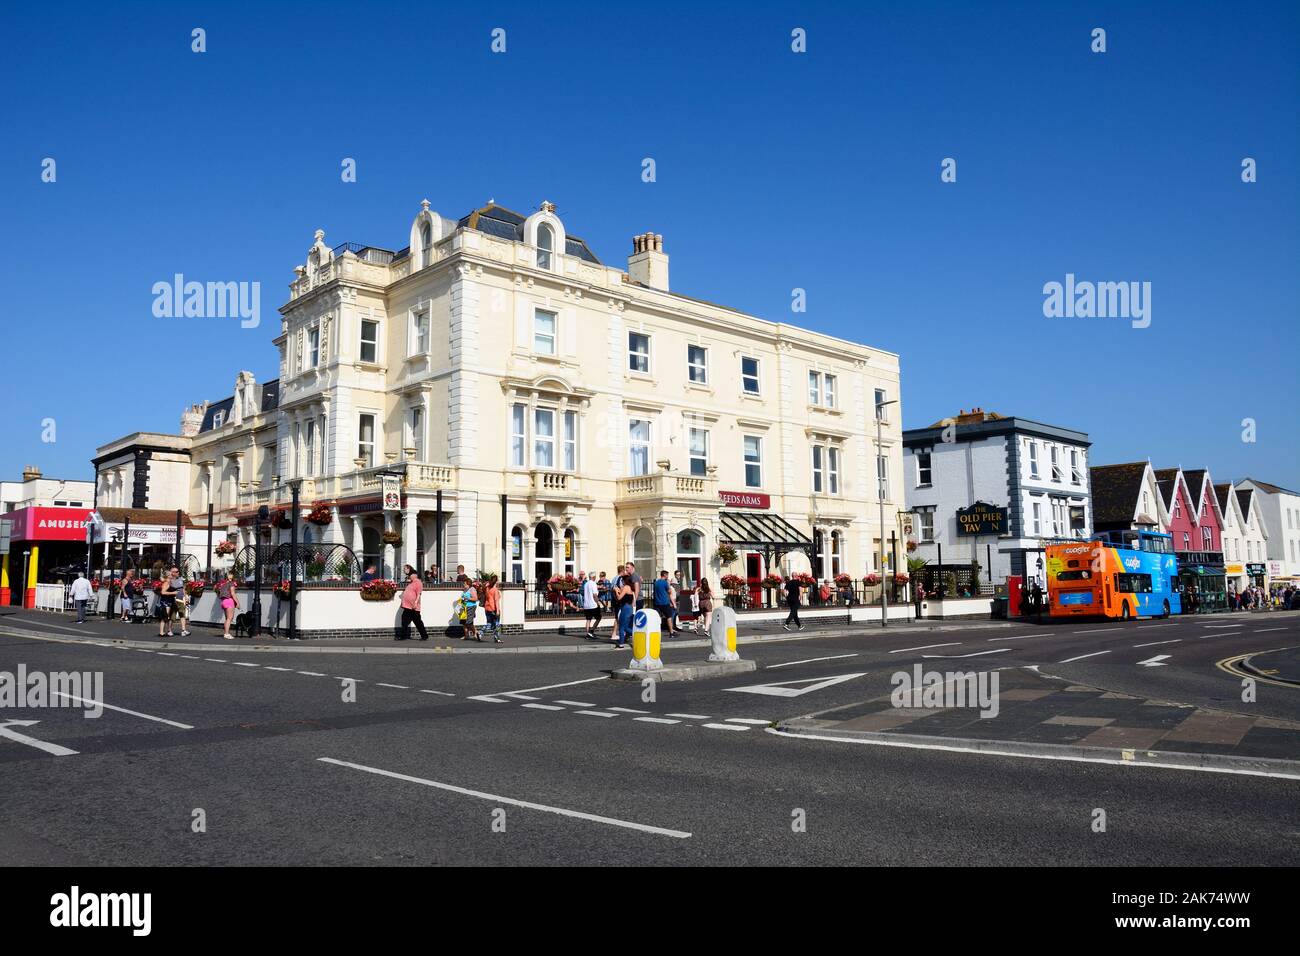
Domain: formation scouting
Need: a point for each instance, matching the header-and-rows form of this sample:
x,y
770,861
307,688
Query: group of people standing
x,y
1256,598
623,595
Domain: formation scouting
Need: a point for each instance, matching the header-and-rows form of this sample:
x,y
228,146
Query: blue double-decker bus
x,y
1118,574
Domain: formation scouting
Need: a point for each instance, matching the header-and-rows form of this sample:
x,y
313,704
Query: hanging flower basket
x,y
772,581
194,588
281,589
900,577
320,515
392,537
804,578
843,580
280,519
727,554
732,582
871,579
911,545
563,583
224,547
380,590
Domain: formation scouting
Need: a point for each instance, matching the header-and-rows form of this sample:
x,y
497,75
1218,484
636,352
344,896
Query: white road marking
x,y
215,660
310,674
518,696
910,745
924,647
394,686
123,710
487,698
190,657
954,657
692,716
725,727
542,706
1021,637
657,720
811,660
782,688
1082,656
1222,625
577,814
595,713
748,720
1265,630
167,654
441,693
142,650
246,664
529,690
55,749
624,710
270,668
1097,630
1176,640
1156,661
574,703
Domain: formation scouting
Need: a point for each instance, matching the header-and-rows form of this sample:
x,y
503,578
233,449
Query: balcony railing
x,y
554,484
667,485
416,476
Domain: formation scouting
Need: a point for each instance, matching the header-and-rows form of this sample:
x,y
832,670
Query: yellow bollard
x,y
722,633
645,641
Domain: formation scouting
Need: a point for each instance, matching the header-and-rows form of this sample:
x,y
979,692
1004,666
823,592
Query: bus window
x,y
1074,575
1133,583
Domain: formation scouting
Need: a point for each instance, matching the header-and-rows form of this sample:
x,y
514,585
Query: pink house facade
x,y
1196,525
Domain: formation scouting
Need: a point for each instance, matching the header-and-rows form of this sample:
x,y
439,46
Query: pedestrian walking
x,y
792,602
492,608
229,601
127,592
705,594
634,580
663,601
624,598
591,609
411,608
171,583
81,593
469,607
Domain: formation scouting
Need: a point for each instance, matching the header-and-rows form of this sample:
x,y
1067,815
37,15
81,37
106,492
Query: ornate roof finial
x,y
424,204
320,235
547,206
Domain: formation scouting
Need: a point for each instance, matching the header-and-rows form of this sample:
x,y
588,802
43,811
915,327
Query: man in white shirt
x,y
591,608
81,593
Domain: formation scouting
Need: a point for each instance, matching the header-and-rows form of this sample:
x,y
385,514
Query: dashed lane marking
x,y
925,647
1097,630
595,713
574,703
441,693
954,657
725,727
311,674
245,664
1176,640
1082,656
215,660
657,720
748,720
270,668
624,710
692,716
123,710
542,706
394,686
811,660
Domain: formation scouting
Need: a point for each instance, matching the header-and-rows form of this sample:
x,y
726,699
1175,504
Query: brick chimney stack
x,y
31,473
648,264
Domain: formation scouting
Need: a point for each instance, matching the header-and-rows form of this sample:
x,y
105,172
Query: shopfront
x,y
46,545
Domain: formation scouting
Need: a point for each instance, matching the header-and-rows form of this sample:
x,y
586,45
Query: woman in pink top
x,y
411,608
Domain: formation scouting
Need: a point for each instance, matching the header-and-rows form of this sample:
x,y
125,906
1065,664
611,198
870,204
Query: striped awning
x,y
761,529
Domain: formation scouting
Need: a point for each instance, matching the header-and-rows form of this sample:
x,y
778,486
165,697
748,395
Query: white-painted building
x,y
1245,537
496,358
37,491
1281,510
1037,472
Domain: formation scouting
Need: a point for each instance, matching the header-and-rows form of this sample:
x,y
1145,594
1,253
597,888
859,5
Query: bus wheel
x,y
1166,614
1123,614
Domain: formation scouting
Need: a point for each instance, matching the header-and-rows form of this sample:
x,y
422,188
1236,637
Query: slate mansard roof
x,y
506,224
270,399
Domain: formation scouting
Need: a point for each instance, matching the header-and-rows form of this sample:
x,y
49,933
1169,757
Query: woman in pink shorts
x,y
229,602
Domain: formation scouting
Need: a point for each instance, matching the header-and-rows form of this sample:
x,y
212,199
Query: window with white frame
x,y
749,374
837,553
881,413
1033,459
1058,518
925,520
419,333
313,347
1187,541
698,440
1207,536
814,388
1178,506
369,351
218,417
309,448
544,332
753,461
638,352
638,436
517,437
416,419
697,364
366,439
1076,476
545,245
882,478
924,469
1038,518
821,389
828,391
543,438
833,470
1056,466
818,469
570,457
426,244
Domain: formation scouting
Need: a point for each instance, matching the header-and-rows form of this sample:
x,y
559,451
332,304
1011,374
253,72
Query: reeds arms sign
x,y
982,518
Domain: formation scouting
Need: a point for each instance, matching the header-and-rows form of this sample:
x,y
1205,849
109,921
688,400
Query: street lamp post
x,y
295,485
262,514
880,494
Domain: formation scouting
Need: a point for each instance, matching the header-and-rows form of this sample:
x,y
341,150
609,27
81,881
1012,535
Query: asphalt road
x,y
540,759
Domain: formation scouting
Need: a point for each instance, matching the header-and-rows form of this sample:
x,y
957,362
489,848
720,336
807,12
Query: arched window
x,y
517,555
426,244
643,550
570,550
545,245
543,554
819,555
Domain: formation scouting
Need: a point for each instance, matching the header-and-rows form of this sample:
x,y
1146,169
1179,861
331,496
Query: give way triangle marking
x,y
787,688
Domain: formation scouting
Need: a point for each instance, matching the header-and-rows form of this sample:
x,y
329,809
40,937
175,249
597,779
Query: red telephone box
x,y
1015,587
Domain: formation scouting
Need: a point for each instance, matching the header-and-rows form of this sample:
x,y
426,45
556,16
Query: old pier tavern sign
x,y
982,518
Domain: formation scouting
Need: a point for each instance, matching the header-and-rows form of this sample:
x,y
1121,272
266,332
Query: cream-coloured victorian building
x,y
496,359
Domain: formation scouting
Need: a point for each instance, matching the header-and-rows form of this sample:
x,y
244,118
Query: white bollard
x,y
645,641
722,631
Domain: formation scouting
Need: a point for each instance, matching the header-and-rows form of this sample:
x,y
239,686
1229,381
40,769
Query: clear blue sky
x,y
775,171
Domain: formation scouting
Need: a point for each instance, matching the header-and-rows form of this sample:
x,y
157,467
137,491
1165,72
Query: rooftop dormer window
x,y
545,245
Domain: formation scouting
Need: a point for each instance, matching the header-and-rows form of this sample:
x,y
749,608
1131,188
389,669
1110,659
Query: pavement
x,y
238,757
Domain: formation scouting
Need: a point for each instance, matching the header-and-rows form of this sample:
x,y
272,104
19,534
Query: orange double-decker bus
x,y
1119,574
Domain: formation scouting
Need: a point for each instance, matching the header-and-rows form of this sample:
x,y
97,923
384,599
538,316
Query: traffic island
x,y
646,665
699,670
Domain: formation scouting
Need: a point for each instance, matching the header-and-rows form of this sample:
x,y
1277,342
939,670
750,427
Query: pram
x,y
139,609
